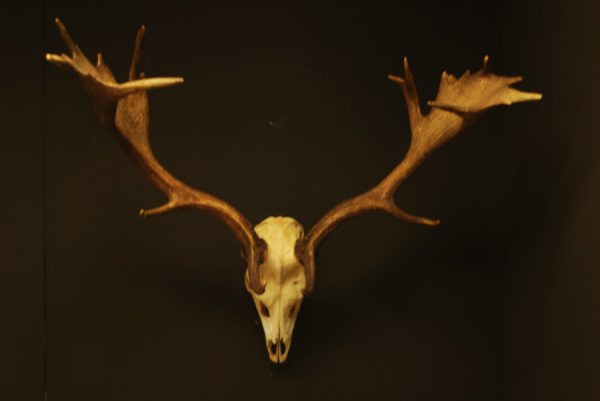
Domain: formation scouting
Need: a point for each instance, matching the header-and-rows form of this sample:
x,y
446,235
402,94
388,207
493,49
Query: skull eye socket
x,y
264,310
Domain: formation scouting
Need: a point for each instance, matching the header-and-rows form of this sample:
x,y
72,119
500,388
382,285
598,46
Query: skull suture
x,y
284,279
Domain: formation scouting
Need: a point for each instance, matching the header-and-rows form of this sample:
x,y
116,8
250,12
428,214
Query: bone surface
x,y
284,281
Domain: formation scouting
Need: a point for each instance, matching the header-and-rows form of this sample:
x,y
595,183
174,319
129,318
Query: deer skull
x,y
281,260
284,280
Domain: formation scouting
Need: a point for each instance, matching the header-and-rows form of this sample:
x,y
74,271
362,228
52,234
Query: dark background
x,y
286,110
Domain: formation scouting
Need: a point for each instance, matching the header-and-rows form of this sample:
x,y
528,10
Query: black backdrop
x,y
286,110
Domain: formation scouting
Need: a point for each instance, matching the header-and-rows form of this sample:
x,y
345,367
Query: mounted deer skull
x,y
285,283
281,260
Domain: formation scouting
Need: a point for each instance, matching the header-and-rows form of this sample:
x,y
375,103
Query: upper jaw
x,y
278,350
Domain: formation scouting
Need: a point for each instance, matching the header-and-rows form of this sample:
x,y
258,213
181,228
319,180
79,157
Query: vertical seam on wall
x,y
43,211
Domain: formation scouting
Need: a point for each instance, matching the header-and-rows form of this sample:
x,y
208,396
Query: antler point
x,y
486,60
396,79
141,32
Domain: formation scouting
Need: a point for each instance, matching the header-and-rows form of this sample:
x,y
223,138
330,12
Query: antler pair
x,y
125,107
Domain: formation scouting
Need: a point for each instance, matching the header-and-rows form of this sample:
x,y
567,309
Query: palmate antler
x,y
459,102
124,106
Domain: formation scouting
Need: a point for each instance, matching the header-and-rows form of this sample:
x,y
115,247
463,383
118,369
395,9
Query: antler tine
x,y
99,81
137,50
409,90
457,104
124,107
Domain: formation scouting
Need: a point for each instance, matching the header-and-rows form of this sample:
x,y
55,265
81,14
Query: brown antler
x,y
124,106
458,102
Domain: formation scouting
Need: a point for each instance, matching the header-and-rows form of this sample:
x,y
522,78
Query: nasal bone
x,y
277,349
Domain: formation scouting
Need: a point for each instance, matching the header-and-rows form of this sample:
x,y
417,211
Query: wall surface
x,y
286,110
552,329
21,204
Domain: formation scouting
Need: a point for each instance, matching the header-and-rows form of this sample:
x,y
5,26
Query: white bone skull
x,y
284,279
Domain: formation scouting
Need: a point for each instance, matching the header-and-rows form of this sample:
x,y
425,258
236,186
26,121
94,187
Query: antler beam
x,y
458,103
124,107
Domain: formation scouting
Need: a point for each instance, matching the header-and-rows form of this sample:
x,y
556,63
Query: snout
x,y
278,350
